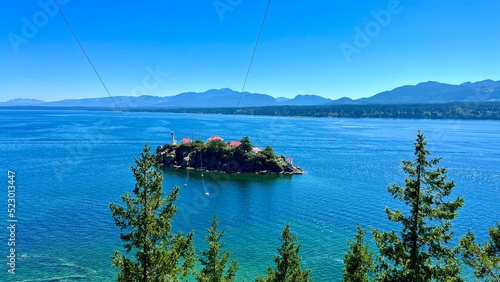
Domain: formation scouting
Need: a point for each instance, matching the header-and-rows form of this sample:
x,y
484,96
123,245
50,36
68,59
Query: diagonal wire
x,y
246,78
87,56
106,88
251,59
244,83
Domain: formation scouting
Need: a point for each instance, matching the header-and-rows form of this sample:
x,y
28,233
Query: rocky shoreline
x,y
289,171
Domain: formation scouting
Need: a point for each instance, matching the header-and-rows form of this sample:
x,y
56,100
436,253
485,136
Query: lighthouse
x,y
174,142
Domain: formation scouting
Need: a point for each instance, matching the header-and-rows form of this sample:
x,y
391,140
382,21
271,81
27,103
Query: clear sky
x,y
324,47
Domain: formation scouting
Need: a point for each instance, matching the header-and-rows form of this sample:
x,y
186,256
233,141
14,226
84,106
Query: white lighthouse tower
x,y
174,142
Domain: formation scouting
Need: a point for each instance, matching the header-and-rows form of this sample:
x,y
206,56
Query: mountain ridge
x,y
430,92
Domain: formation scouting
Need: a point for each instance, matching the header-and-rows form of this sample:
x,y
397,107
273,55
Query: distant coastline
x,y
455,110
470,111
425,100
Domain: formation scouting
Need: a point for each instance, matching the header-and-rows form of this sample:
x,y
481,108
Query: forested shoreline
x,y
490,110
456,110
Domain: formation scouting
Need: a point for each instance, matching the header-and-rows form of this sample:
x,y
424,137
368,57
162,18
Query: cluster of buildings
x,y
232,144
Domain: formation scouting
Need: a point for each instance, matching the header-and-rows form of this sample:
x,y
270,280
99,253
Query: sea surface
x,y
70,165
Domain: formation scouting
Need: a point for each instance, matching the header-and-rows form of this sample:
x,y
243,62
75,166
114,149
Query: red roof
x,y
186,140
215,137
234,143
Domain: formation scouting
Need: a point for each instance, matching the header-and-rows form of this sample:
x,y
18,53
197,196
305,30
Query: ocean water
x,y
70,165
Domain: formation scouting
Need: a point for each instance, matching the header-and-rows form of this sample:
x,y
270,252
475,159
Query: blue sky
x,y
329,48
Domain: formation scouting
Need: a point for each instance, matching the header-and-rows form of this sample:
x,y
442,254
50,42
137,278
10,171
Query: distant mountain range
x,y
422,93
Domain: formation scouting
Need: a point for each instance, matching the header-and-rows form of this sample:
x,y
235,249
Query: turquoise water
x,y
71,164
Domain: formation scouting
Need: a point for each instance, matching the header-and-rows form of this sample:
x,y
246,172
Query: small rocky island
x,y
216,155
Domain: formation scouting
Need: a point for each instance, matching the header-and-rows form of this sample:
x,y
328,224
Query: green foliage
x,y
287,261
485,258
197,146
217,155
494,248
145,222
455,110
245,146
259,162
269,152
214,260
420,253
358,260
217,148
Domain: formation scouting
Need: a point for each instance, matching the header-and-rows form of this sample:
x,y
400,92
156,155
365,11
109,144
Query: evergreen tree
x,y
269,152
246,145
358,259
243,155
216,148
287,261
145,222
484,259
420,253
214,260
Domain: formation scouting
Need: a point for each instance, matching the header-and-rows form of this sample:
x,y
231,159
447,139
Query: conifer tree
x,y
153,252
269,152
485,258
287,261
358,260
421,251
246,145
214,260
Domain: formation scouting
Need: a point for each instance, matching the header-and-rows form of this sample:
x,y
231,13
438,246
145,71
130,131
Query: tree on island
x,y
217,148
145,223
287,261
421,251
269,152
214,260
485,258
358,259
218,152
246,145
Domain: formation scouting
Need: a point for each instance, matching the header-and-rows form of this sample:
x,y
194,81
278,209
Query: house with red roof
x,y
186,140
215,137
234,144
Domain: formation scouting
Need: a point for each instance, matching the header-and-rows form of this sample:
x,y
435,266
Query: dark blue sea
x,y
70,165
